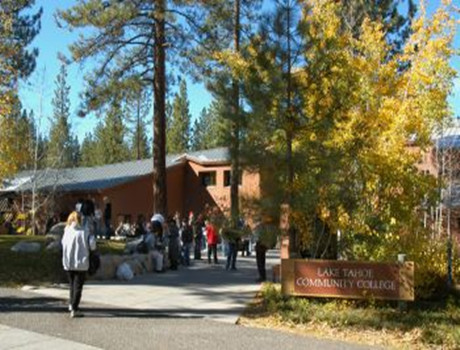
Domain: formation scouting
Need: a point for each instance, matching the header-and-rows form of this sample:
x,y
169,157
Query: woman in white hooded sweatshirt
x,y
76,244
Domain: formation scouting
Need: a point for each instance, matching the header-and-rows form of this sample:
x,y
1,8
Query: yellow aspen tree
x,y
361,110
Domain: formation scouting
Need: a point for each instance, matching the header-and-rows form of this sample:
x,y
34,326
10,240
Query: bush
x,y
429,256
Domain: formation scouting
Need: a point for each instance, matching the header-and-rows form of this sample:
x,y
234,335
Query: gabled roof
x,y
104,176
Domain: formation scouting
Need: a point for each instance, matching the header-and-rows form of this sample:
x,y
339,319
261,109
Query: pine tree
x,y
110,146
231,23
88,151
135,57
17,31
396,25
178,130
75,151
209,129
137,109
60,145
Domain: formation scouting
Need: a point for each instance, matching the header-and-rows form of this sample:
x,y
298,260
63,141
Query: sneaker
x,y
70,307
76,313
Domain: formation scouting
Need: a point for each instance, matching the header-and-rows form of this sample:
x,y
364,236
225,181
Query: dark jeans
x,y
231,256
186,253
76,281
197,249
212,248
260,258
245,248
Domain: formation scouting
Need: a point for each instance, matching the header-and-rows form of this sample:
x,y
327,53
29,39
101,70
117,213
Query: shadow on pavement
x,y
52,305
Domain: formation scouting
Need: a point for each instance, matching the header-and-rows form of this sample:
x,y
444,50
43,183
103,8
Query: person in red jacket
x,y
211,235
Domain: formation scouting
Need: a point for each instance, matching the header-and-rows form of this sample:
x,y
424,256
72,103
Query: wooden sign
x,y
348,279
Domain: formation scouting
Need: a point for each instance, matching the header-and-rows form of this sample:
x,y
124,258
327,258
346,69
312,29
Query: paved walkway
x,y
15,338
174,310
201,290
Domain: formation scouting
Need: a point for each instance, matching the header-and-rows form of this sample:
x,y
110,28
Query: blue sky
x,y
53,40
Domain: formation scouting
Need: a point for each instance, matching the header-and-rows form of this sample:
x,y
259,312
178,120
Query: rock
x,y
131,246
57,230
135,265
26,247
54,246
146,262
53,237
107,269
124,272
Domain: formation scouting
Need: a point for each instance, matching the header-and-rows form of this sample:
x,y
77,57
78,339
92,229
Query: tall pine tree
x,y
137,109
209,129
130,39
17,30
178,130
88,151
110,145
60,145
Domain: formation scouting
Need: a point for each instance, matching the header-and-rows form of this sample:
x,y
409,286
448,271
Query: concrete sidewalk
x,y
15,338
200,291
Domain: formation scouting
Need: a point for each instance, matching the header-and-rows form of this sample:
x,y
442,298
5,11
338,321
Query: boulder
x,y
135,265
107,269
54,246
146,262
26,247
57,230
124,272
131,246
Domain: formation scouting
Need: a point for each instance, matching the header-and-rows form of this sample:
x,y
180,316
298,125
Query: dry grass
x,y
428,328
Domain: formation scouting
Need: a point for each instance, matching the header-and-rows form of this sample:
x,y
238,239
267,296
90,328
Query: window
x,y
208,178
228,178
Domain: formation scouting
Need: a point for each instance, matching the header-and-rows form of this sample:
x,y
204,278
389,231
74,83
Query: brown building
x,y
194,180
442,161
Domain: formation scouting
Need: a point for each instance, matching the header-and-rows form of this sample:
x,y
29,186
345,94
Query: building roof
x,y
104,176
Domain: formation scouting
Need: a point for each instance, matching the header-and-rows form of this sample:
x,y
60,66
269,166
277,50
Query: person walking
x,y
265,236
197,226
233,239
76,245
212,239
173,244
187,241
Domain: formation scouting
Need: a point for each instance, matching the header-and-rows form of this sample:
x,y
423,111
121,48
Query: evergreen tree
x,y
17,31
24,28
60,145
75,151
20,140
137,109
38,146
275,102
178,130
210,128
396,25
135,56
231,23
110,146
88,151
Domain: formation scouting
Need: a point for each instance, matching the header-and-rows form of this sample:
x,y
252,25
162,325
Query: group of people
x,y
167,242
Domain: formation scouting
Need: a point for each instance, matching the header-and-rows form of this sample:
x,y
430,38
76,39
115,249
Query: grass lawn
x,y
423,325
44,267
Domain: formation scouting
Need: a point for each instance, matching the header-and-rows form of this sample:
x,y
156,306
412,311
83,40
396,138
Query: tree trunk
x,y
138,129
235,137
159,149
290,126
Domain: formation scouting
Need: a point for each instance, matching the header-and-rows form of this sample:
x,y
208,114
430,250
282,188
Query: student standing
x,y
212,238
76,245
